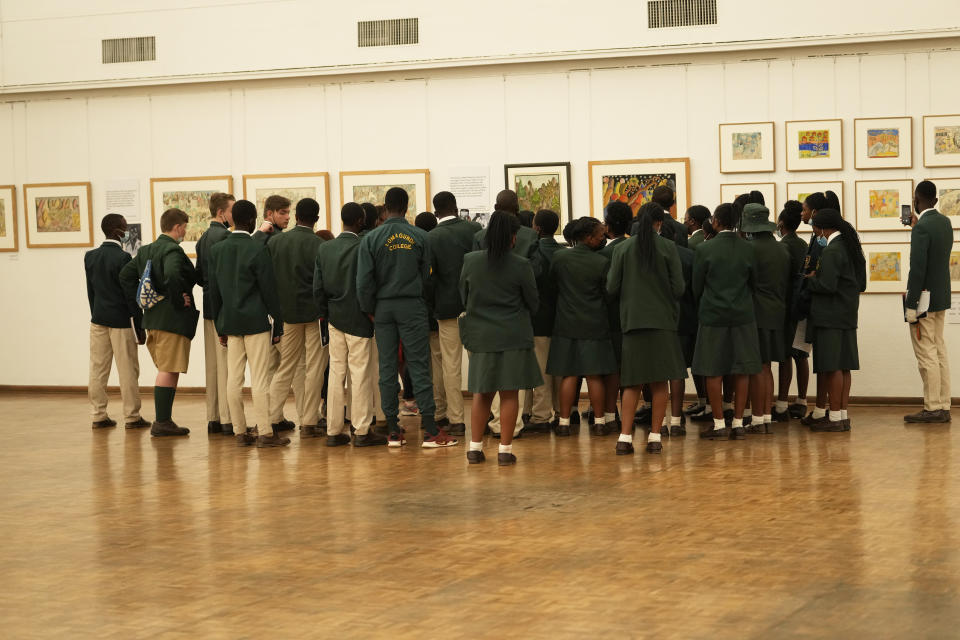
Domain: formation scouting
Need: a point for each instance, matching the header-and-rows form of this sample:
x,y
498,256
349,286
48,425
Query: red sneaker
x,y
441,439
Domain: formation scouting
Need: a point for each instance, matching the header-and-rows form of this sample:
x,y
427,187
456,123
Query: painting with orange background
x,y
636,189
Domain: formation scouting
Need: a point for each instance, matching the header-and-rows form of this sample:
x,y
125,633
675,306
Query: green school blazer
x,y
393,261
498,301
173,276
835,289
243,287
109,306
294,256
649,296
335,286
695,239
580,275
265,238
526,246
545,315
215,233
797,248
772,268
931,242
688,322
449,242
723,281
613,301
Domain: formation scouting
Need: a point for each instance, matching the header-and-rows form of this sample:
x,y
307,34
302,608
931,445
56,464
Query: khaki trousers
x,y
932,360
107,345
301,340
215,360
255,349
544,400
451,362
436,369
349,359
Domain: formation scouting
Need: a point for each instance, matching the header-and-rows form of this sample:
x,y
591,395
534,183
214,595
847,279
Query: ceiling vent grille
x,y
680,13
383,33
129,49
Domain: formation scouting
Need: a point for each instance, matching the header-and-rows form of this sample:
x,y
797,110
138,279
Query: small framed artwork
x,y
888,265
8,219
372,186
293,186
746,147
541,186
800,190
633,182
814,145
879,202
941,141
729,192
58,215
190,195
954,271
948,198
883,143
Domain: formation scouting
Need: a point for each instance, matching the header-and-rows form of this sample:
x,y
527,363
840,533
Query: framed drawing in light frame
x,y
941,141
746,147
191,195
888,265
814,145
9,240
729,192
800,190
883,143
372,186
633,182
879,202
948,198
257,187
544,185
58,214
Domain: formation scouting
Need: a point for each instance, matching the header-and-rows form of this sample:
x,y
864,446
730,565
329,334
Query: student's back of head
x,y
308,212
526,218
426,221
696,216
112,225
445,204
396,200
833,202
546,222
244,215
650,215
501,232
790,216
664,196
352,215
618,216
370,215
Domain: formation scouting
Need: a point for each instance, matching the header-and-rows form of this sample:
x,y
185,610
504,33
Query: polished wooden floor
x,y
113,534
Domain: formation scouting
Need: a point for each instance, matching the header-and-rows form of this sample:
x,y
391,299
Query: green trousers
x,y
404,320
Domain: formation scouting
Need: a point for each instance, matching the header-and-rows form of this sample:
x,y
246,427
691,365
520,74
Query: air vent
x,y
383,33
680,13
129,49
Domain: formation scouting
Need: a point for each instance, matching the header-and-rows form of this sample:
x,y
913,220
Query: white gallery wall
x,y
442,119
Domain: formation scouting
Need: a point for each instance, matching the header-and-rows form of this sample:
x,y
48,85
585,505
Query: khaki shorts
x,y
170,351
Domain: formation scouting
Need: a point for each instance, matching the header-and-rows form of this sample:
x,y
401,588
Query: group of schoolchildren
x,y
626,304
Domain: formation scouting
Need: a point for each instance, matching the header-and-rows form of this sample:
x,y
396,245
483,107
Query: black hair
x,y
547,221
351,214
816,201
699,214
503,226
396,200
581,228
618,216
727,215
790,216
664,196
833,202
426,221
111,223
708,230
526,218
650,213
831,219
244,215
926,190
756,197
445,203
568,230
370,215
308,211
740,202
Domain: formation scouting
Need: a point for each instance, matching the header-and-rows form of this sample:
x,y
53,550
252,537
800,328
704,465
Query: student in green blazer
x,y
172,322
214,355
835,286
393,266
115,327
788,223
527,240
772,269
693,220
647,275
499,293
931,242
581,333
723,282
276,217
244,296
618,217
813,203
665,196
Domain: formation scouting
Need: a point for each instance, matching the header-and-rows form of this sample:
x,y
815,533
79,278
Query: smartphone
x,y
906,217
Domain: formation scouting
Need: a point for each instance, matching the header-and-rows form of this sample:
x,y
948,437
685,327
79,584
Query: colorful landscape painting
x,y
294,195
884,203
814,144
955,266
3,219
196,204
949,202
375,193
746,145
636,190
883,143
946,140
58,214
539,191
885,266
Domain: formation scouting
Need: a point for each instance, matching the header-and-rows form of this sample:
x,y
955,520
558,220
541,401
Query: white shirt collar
x,y
241,231
924,211
449,218
833,237
116,242
350,232
726,231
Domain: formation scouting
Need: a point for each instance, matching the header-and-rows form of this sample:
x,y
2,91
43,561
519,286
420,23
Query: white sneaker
x,y
396,439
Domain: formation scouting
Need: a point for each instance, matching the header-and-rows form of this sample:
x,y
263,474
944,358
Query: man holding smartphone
x,y
930,244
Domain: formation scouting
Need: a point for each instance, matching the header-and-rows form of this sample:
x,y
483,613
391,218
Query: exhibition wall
x,y
444,120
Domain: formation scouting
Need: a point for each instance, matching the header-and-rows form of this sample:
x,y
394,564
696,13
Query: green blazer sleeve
x,y
528,284
827,275
216,297
319,293
135,311
176,278
615,274
90,295
366,278
699,275
464,286
675,269
533,255
129,279
919,251
267,283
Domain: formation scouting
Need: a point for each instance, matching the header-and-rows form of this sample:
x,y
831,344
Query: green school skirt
x,y
651,355
835,350
616,339
727,350
503,371
771,345
574,357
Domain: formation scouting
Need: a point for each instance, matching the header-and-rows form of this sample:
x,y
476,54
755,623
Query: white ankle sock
x,y
476,446
564,422
599,421
506,448
609,417
653,437
676,421
843,414
747,412
781,406
767,418
737,422
626,437
719,424
836,416
666,421
818,412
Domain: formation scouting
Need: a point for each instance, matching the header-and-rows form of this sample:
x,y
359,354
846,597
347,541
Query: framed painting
x,y
8,219
294,186
58,215
746,147
192,196
888,265
883,143
633,182
800,190
814,145
948,198
372,186
954,271
541,186
729,192
941,141
879,202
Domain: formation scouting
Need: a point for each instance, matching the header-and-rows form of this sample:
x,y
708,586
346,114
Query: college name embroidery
x,y
399,241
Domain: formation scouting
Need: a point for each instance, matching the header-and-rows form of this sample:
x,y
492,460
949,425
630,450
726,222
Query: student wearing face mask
x,y
802,296
115,327
797,247
172,322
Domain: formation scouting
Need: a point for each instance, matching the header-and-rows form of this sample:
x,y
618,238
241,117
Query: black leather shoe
x,y
538,427
588,416
475,457
598,429
443,423
506,459
338,440
167,428
284,425
139,423
214,427
809,420
754,428
927,417
246,439
678,430
272,440
312,431
370,439
768,428
654,447
828,426
104,424
692,409
624,448
781,416
738,433
562,430
703,416
454,429
715,434
945,414
226,429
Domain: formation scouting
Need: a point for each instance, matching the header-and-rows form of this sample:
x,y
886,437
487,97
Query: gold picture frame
x,y
815,156
931,147
10,240
51,195
902,143
884,259
198,211
796,191
621,170
418,178
948,198
285,184
731,190
763,147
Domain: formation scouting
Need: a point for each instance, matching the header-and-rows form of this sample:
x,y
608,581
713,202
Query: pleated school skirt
x,y
835,350
724,351
503,371
771,345
651,355
580,357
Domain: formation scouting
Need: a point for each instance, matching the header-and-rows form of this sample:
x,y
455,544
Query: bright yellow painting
x,y
884,203
58,214
885,266
196,204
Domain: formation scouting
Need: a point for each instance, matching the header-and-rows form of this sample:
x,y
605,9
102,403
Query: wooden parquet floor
x,y
112,534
